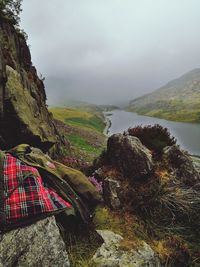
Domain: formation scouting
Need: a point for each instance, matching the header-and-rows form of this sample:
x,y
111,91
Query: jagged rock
x,y
129,155
110,192
36,245
111,255
182,164
24,117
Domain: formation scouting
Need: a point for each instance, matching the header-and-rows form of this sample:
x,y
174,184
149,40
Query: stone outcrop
x,y
36,245
111,190
24,117
129,155
111,255
182,165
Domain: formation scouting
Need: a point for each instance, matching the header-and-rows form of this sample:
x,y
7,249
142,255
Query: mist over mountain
x,y
111,51
178,100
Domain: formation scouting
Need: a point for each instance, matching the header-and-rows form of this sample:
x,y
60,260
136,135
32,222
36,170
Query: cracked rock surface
x,y
39,244
111,255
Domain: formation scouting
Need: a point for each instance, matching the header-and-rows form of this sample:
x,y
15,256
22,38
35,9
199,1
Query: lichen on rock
x,y
111,255
24,117
39,244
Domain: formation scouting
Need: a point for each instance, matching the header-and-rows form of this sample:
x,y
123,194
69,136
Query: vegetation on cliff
x,y
11,9
24,117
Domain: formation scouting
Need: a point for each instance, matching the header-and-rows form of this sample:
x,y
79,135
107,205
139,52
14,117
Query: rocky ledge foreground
x,y
39,244
147,193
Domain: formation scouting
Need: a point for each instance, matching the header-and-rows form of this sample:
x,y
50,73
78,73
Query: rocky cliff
x,y
24,117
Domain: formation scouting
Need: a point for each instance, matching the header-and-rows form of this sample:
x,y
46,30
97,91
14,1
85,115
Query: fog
x,y
111,51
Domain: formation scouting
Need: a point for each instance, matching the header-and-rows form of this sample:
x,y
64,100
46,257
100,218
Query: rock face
x,y
182,164
24,117
39,244
111,193
129,155
110,254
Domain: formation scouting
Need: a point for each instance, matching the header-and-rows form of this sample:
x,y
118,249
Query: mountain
x,y
178,100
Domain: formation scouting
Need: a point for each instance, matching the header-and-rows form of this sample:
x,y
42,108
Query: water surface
x,y
187,134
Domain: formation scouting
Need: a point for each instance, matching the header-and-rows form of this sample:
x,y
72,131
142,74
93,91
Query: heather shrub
x,y
153,137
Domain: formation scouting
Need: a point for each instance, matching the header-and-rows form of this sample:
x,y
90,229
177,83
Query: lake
x,y
187,134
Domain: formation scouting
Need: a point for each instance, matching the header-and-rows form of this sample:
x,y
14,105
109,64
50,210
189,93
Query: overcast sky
x,y
111,51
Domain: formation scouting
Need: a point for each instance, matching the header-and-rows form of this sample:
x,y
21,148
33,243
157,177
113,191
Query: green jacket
x,y
72,185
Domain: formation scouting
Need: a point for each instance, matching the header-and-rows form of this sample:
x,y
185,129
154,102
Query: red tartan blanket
x,y
25,194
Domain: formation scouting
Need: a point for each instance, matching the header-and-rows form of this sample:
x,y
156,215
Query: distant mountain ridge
x,y
178,100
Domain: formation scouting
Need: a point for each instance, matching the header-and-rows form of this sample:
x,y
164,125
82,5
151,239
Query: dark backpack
x,y
24,197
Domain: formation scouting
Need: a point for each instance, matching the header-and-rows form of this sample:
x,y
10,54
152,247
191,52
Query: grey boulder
x,y
110,254
129,155
39,244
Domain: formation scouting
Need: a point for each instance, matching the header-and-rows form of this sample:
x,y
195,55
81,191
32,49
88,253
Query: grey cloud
x,y
110,51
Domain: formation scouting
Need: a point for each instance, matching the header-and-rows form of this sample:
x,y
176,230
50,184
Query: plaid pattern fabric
x,y
25,195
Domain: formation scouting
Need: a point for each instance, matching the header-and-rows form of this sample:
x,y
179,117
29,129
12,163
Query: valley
x,y
83,127
178,100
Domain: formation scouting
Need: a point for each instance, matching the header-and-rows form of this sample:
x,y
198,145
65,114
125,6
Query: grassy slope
x,y
179,100
175,110
84,132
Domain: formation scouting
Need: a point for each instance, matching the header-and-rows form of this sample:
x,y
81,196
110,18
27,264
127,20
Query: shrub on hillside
x,y
153,137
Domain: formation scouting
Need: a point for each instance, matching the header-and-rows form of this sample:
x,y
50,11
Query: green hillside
x,y
83,127
179,100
